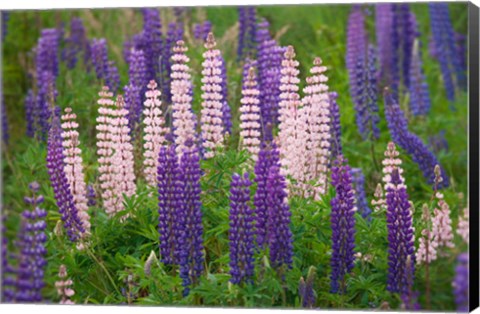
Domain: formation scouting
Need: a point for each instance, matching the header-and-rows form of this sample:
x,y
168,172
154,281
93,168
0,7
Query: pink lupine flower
x,y
316,104
391,162
184,119
463,229
212,116
74,168
292,126
378,202
250,114
428,244
155,131
63,286
442,224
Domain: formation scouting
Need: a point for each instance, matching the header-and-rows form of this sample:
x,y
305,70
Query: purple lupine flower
x,y
384,30
438,142
190,244
280,237
91,196
247,18
5,17
30,113
398,126
134,105
461,53
401,248
46,58
306,291
45,100
75,43
100,57
268,157
201,30
358,182
8,271
59,181
137,69
241,235
127,48
152,41
460,283
356,44
179,12
444,41
5,131
32,251
405,27
269,64
226,111
409,299
343,225
112,78
365,95
419,95
335,126
170,192
174,34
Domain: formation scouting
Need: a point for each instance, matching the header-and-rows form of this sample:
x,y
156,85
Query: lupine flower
x,y
184,119
147,267
280,237
384,31
152,41
270,56
226,111
438,142
461,53
267,157
112,78
59,180
30,113
5,131
241,234
401,249
46,97
91,196
155,131
250,114
63,286
73,166
174,34
316,103
133,103
306,291
442,224
46,58
460,283
190,243
247,29
419,95
358,182
410,142
170,197
343,225
463,229
137,69
356,44
428,243
8,279
32,251
75,43
444,41
100,57
292,130
201,30
211,120
335,126
378,202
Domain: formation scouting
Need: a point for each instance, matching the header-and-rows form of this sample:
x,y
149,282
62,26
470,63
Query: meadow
x,y
122,262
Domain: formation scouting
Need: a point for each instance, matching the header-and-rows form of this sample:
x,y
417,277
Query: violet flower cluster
x,y
420,102
453,73
269,64
398,126
151,42
61,187
280,237
343,225
174,34
241,233
226,111
358,181
135,90
76,43
247,18
306,290
268,157
460,283
201,30
401,246
335,126
100,57
31,256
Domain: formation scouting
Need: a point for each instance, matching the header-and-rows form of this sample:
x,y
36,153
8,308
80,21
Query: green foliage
x,y
112,267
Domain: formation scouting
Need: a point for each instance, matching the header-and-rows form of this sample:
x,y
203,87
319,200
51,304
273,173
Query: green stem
x,y
104,269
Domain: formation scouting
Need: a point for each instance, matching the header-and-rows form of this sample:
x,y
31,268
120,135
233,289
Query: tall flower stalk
x,y
241,235
250,114
343,226
63,286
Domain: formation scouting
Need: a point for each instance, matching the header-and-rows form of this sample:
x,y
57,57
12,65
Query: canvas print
x,y
302,156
